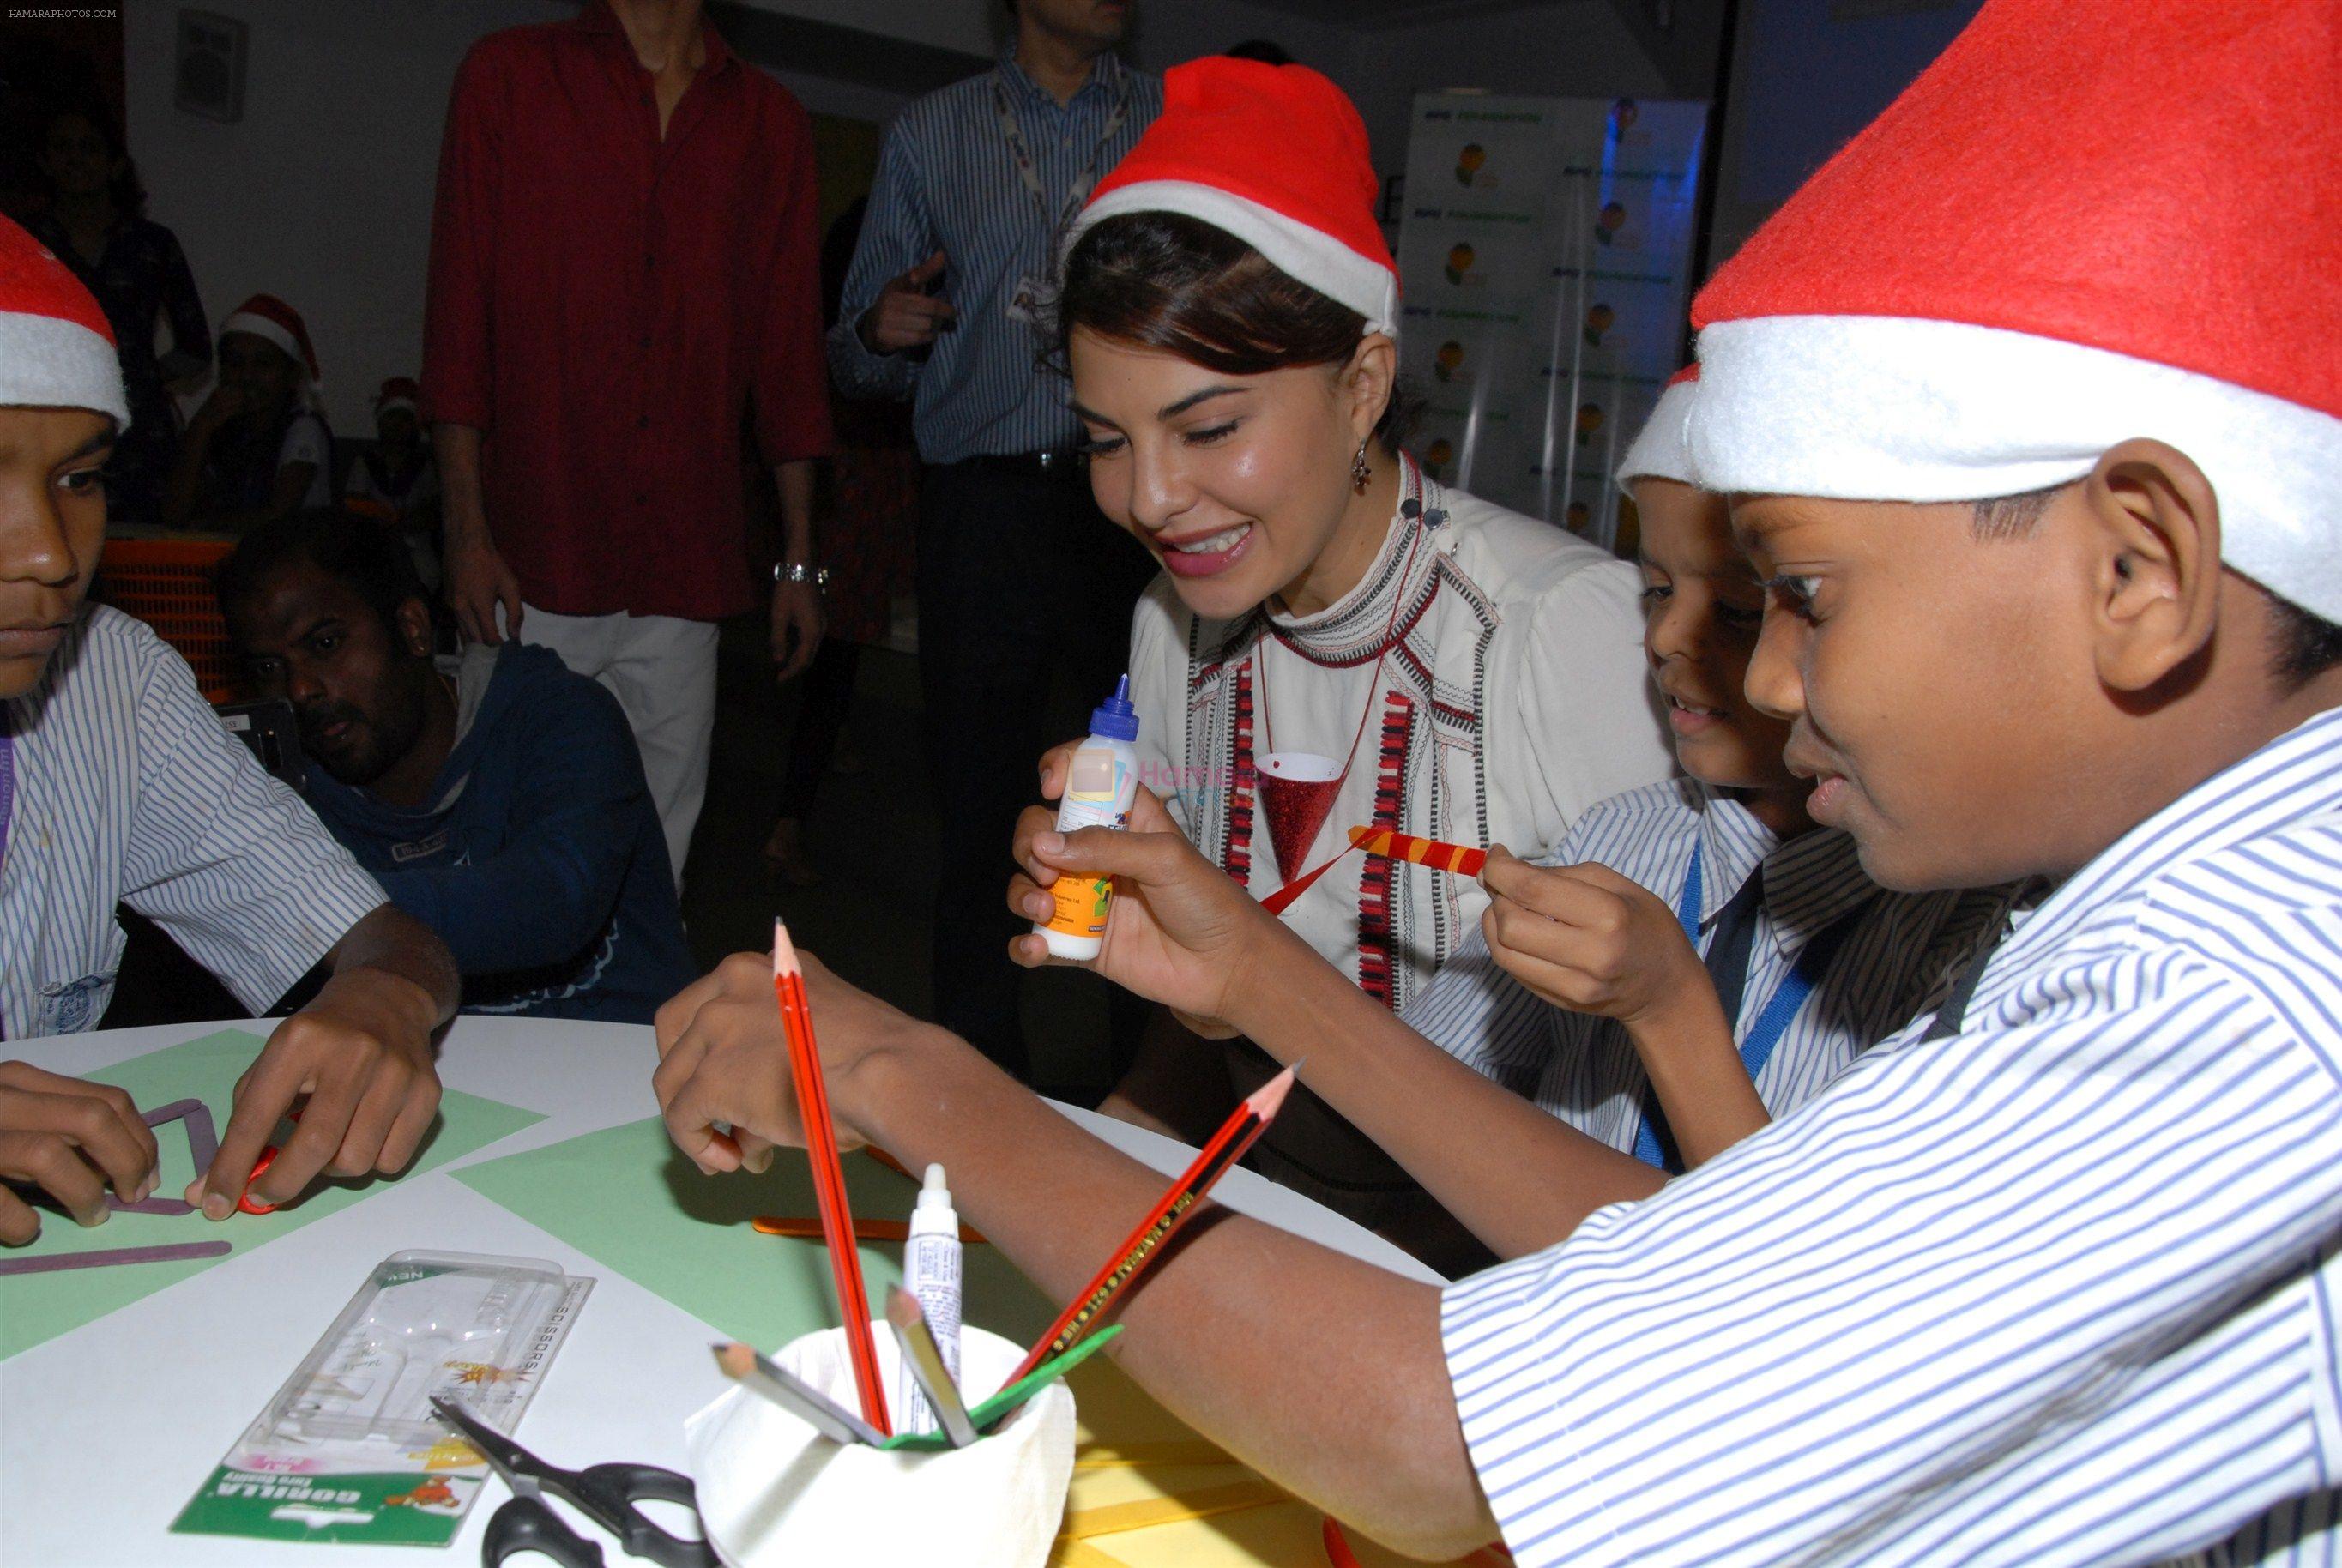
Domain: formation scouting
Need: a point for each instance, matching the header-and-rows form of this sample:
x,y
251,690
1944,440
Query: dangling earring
x,y
1359,472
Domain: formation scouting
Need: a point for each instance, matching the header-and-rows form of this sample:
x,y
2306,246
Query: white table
x,y
107,1430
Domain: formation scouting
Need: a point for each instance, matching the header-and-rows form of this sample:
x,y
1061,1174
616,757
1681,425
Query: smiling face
x,y
52,529
358,684
1702,605
1941,687
262,373
1239,484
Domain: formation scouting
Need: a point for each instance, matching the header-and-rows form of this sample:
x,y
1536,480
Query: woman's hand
x,y
1179,931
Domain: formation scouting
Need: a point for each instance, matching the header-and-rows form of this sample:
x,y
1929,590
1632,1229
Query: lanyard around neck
x,y
7,800
1020,153
1773,1022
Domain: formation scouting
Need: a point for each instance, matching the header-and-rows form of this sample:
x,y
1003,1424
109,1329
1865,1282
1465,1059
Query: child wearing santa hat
x,y
119,785
2029,413
397,479
258,448
1336,639
1708,956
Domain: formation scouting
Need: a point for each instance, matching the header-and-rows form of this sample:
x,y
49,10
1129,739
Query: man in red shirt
x,y
624,275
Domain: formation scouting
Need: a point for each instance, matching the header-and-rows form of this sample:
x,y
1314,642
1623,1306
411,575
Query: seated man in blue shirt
x,y
119,785
504,807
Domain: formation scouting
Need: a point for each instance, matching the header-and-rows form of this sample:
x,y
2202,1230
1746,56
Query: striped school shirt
x,y
947,179
129,789
1894,959
2058,1288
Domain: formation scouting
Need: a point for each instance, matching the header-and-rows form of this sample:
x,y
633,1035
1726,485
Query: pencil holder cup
x,y
774,1494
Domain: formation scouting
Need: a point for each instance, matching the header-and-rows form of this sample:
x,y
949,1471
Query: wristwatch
x,y
798,571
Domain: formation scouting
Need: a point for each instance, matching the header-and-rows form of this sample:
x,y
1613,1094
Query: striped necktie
x,y
1727,970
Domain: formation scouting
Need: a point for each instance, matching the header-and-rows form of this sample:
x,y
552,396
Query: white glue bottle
x,y
931,1272
1099,787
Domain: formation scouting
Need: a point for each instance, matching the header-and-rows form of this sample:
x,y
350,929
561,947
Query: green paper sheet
x,y
630,1201
36,1308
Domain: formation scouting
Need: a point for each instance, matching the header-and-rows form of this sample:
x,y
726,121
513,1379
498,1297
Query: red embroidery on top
x,y
1377,926
1242,785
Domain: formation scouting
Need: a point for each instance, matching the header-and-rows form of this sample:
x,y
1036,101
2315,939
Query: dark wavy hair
x,y
1170,282
129,194
364,556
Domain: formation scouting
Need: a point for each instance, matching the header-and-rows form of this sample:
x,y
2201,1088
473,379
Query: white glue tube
x,y
931,1272
1099,787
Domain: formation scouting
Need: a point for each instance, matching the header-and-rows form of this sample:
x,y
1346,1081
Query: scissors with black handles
x,y
609,1495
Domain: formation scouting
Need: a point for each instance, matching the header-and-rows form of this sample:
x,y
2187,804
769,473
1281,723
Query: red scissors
x,y
247,1204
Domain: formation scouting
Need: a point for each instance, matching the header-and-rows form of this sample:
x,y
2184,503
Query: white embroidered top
x,y
1513,697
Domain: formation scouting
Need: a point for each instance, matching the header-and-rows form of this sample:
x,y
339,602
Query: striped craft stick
x,y
1392,844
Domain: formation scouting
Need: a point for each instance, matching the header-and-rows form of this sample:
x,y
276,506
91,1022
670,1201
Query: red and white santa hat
x,y
270,319
1275,156
56,349
398,392
2089,220
1658,450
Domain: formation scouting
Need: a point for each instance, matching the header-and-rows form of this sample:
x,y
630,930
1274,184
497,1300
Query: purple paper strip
x,y
56,1262
202,1141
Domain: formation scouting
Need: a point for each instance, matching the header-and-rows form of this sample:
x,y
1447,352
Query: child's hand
x,y
1586,938
1179,932
361,1052
724,1060
72,1140
224,404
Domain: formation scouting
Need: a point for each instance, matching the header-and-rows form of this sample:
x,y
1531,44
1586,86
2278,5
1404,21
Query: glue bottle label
x,y
1098,787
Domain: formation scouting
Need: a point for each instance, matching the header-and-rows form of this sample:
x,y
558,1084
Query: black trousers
x,y
1022,584
824,700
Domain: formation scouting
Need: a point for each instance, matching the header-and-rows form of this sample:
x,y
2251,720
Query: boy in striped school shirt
x,y
2048,1278
118,783
1583,988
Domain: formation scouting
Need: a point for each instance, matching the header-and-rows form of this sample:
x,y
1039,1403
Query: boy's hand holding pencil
x,y
724,1060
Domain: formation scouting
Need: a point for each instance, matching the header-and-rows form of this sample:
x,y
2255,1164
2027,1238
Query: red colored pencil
x,y
1236,1134
828,1178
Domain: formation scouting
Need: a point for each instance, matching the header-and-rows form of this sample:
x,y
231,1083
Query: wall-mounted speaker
x,y
211,65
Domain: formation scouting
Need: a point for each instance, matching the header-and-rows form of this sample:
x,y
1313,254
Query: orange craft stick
x,y
803,1227
828,1178
1392,844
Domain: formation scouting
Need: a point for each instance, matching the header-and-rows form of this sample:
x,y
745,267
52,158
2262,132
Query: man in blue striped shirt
x,y
2049,1278
1020,579
118,784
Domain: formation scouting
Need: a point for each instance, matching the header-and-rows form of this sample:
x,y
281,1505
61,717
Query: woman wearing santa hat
x,y
258,449
1336,639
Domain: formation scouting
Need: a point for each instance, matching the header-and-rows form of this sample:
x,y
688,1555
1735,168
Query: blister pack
x,y
348,1449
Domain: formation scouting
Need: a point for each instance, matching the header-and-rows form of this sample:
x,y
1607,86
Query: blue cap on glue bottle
x,y
1116,718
